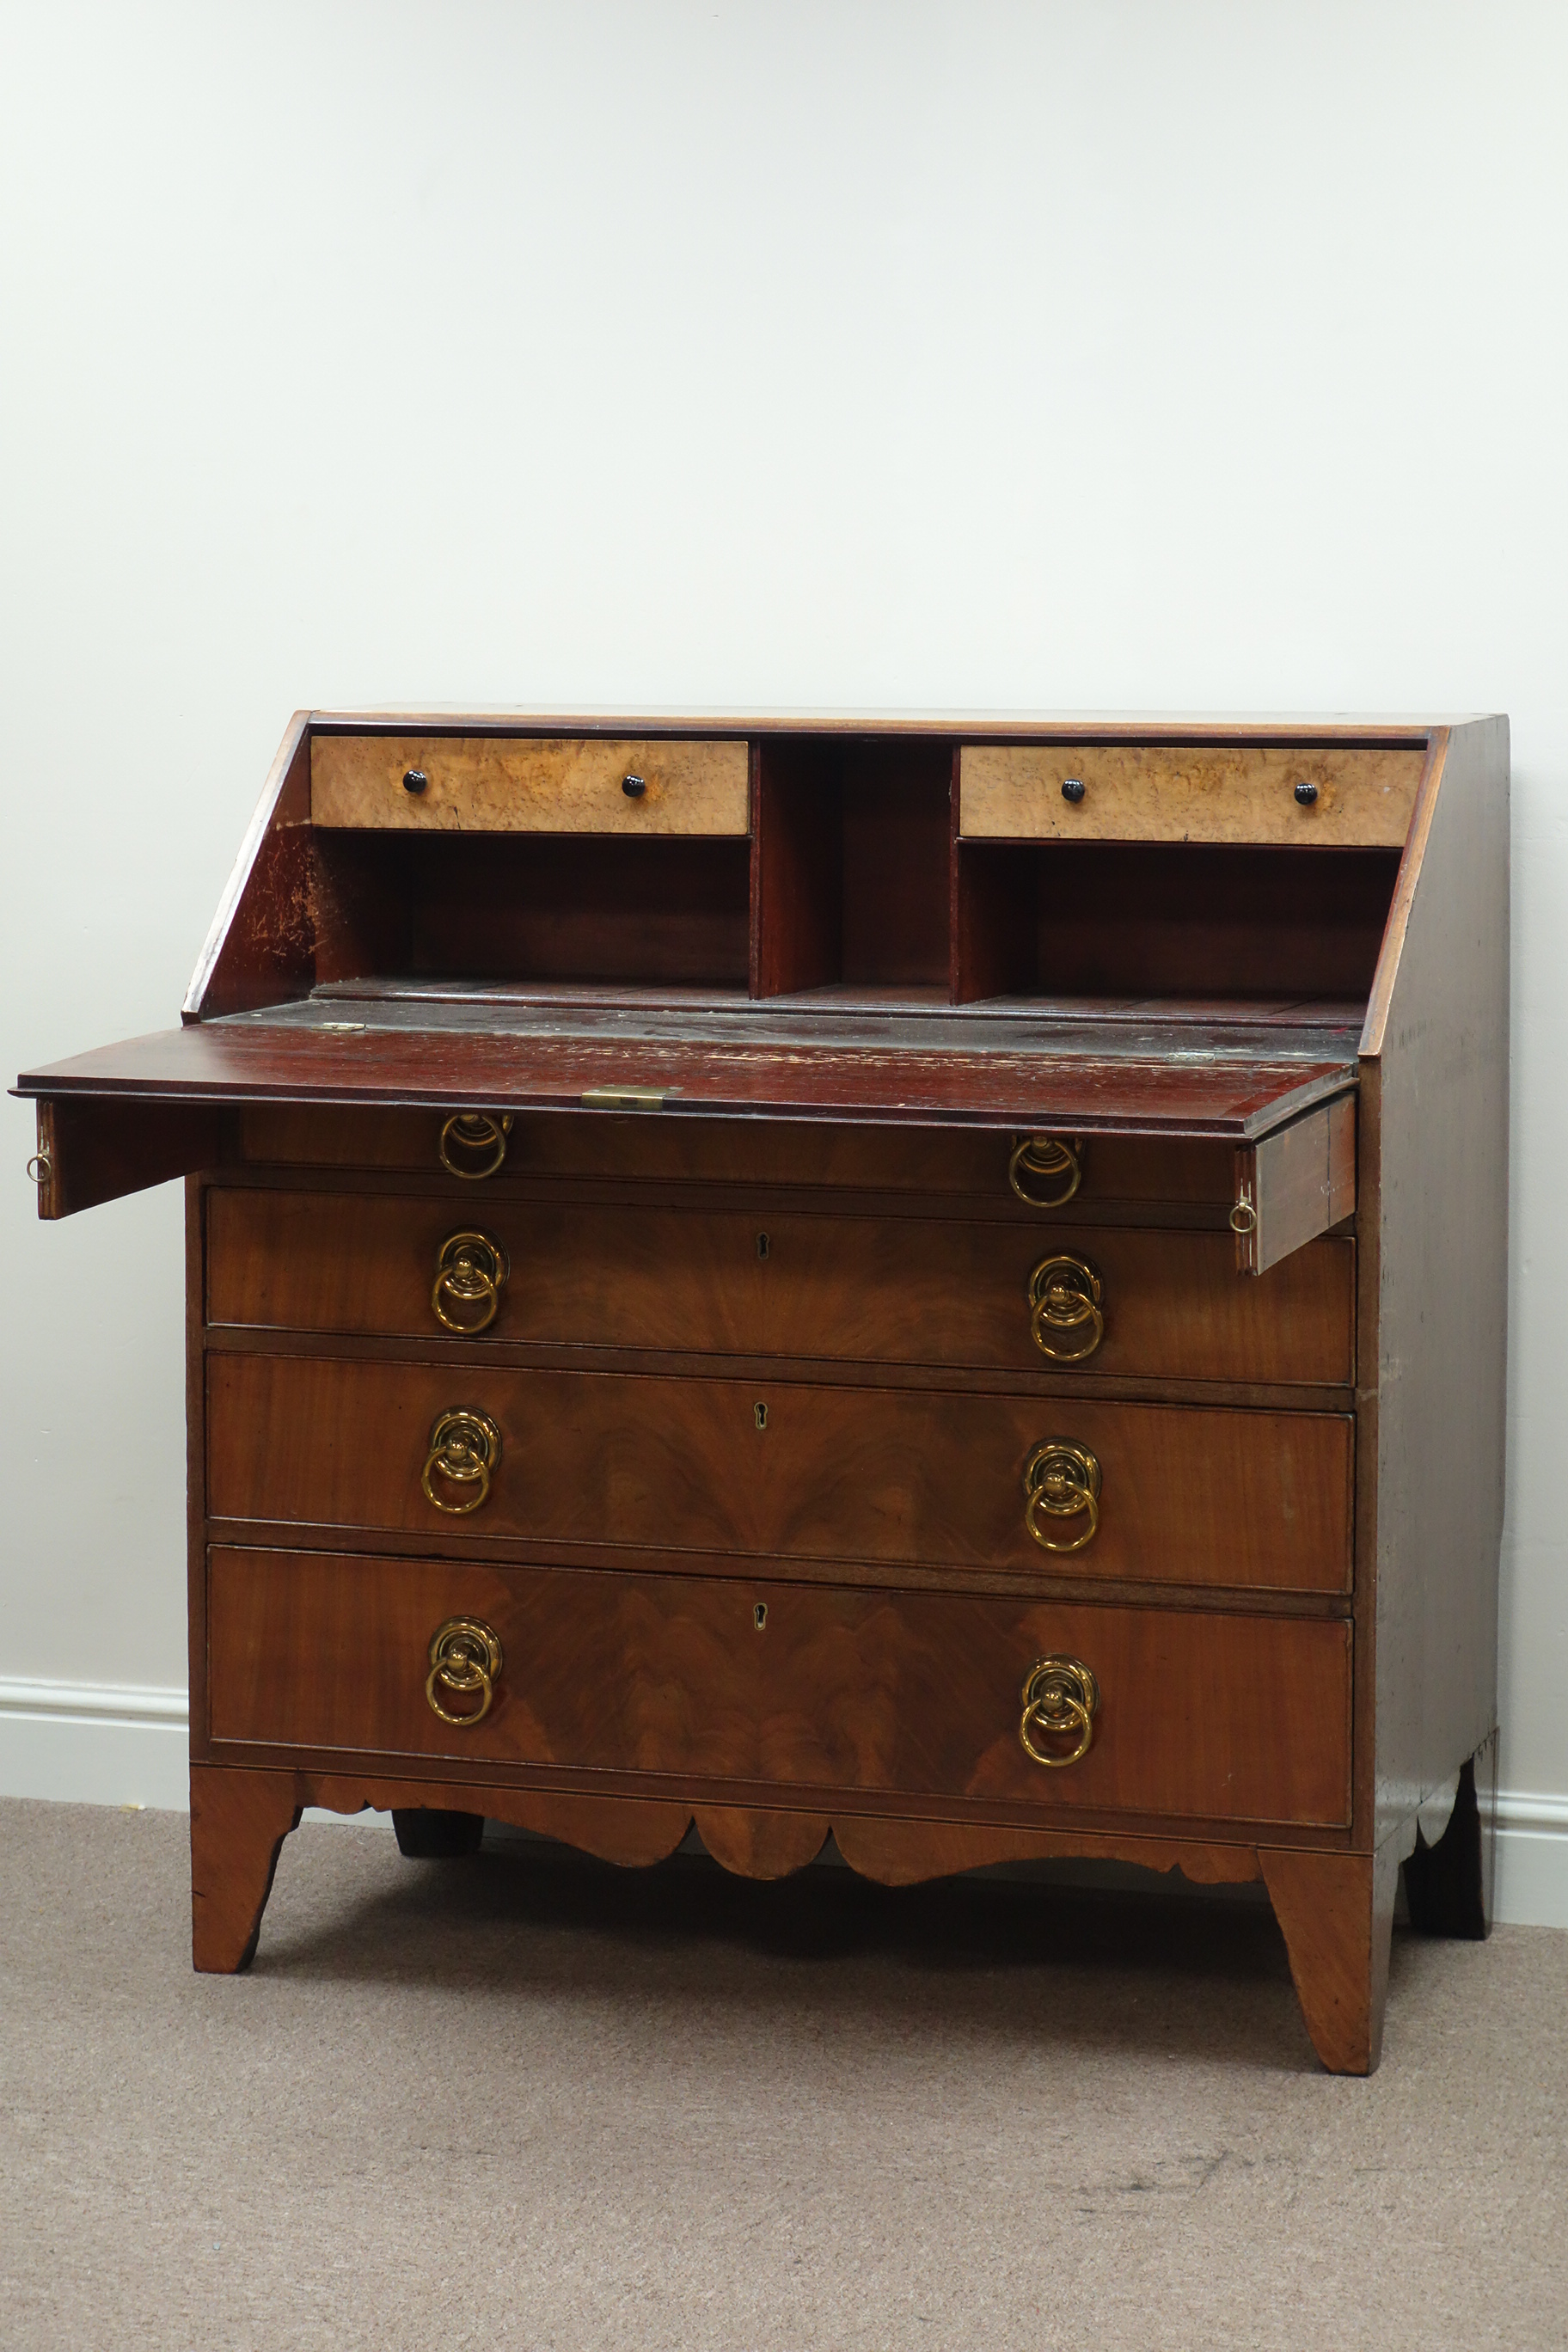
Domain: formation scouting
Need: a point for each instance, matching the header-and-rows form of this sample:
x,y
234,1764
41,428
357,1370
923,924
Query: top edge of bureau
x,y
1291,729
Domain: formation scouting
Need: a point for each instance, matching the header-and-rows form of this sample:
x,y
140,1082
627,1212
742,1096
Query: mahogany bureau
x,y
935,1283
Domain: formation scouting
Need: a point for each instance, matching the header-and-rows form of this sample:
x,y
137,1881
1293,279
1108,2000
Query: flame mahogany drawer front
x,y
1004,1296
910,1696
1181,1495
604,1146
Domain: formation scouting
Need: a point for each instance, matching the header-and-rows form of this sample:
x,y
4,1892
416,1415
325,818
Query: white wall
x,y
1085,356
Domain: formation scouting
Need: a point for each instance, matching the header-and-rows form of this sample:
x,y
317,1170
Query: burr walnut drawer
x,y
784,1469
957,1291
920,1696
1333,796
497,784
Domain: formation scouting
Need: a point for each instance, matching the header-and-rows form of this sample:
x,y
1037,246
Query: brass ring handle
x,y
1244,1217
1062,1481
465,1657
474,1131
1061,1699
1048,1157
40,1168
1081,1500
1064,1297
465,1447
471,1271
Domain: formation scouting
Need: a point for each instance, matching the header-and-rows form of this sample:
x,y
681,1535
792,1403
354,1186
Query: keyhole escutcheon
x,y
760,1616
763,1245
761,1413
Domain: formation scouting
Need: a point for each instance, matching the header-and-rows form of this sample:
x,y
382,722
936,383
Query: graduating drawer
x,y
497,784
916,1696
1159,1494
1185,1176
951,1291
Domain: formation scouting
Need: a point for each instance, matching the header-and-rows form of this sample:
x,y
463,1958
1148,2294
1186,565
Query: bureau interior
x,y
851,884
1138,920
853,866
864,885
529,907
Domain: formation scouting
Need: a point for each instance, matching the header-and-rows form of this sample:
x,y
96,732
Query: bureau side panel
x,y
261,946
196,1459
1439,1074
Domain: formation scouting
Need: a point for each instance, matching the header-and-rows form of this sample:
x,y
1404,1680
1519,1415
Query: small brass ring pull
x,y
465,1657
465,1447
472,1272
40,1168
1061,1699
1066,1321
1244,1217
1062,1481
474,1134
1055,1164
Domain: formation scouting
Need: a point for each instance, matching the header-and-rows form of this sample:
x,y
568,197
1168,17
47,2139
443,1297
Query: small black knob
x,y
1073,789
1306,793
414,780
634,787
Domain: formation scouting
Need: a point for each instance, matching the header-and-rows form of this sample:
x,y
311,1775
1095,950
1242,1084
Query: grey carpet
x,y
530,2100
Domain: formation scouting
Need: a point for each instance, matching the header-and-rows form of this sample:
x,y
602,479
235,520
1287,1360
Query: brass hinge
x,y
626,1097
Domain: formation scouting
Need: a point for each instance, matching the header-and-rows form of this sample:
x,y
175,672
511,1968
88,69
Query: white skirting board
x,y
90,1745
82,1744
